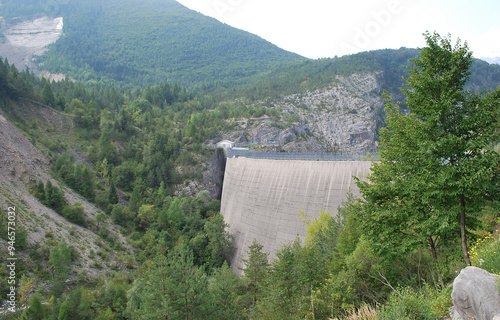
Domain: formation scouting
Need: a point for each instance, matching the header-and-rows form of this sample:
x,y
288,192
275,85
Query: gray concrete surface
x,y
262,198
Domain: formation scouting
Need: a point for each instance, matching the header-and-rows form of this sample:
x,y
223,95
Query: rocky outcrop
x,y
214,176
476,295
342,117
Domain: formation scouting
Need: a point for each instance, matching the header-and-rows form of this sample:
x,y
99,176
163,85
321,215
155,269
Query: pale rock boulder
x,y
475,295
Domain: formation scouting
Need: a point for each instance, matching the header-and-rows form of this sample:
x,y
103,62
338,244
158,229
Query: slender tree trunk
x,y
463,231
432,247
312,303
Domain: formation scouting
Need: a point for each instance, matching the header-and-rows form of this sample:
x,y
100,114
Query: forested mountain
x,y
392,65
137,43
152,41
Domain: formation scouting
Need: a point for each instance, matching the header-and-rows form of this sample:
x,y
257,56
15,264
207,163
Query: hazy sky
x,y
325,28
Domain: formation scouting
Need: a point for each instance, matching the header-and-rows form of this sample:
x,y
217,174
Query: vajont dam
x,y
263,194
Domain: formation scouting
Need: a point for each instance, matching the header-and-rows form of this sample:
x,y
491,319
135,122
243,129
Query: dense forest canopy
x,y
148,42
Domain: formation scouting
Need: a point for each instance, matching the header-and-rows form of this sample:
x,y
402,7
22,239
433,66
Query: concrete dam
x,y
262,198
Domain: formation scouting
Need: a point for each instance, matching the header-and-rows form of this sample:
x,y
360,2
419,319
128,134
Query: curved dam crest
x,y
262,198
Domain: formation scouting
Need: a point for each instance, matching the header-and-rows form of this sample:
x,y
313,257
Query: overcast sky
x,y
326,28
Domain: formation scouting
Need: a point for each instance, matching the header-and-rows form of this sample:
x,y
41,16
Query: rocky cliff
x,y
342,117
21,166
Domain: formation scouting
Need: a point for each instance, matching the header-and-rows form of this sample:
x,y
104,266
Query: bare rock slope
x,y
28,39
21,166
342,117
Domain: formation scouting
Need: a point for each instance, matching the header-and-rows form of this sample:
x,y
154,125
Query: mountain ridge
x,y
156,41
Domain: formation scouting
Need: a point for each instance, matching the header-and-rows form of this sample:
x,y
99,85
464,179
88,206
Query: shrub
x,y
75,213
485,254
407,305
441,300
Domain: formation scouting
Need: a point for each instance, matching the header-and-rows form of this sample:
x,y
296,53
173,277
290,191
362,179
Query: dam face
x,y
262,198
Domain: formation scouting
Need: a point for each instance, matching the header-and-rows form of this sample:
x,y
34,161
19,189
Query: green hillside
x,y
313,74
152,41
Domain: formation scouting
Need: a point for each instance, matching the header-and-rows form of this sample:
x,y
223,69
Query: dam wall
x,y
262,198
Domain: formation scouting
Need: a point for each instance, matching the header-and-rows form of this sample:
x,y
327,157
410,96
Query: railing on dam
x,y
302,156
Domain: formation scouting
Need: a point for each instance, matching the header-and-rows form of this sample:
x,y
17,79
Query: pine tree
x,y
48,96
219,241
87,184
60,258
40,191
36,310
112,194
256,270
171,288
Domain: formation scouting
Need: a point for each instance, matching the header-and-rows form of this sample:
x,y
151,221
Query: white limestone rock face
x,y
475,294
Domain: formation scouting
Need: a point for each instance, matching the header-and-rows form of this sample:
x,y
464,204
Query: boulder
x,y
475,294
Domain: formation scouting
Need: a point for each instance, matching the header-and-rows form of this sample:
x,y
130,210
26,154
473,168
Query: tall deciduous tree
x,y
437,169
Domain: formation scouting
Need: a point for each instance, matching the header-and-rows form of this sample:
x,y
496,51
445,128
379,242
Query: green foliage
x,y
145,43
112,193
226,291
219,242
485,254
318,228
76,306
7,86
170,288
435,164
47,96
51,196
350,233
17,11
311,75
407,304
77,176
60,258
441,300
256,270
75,213
285,284
175,214
36,310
